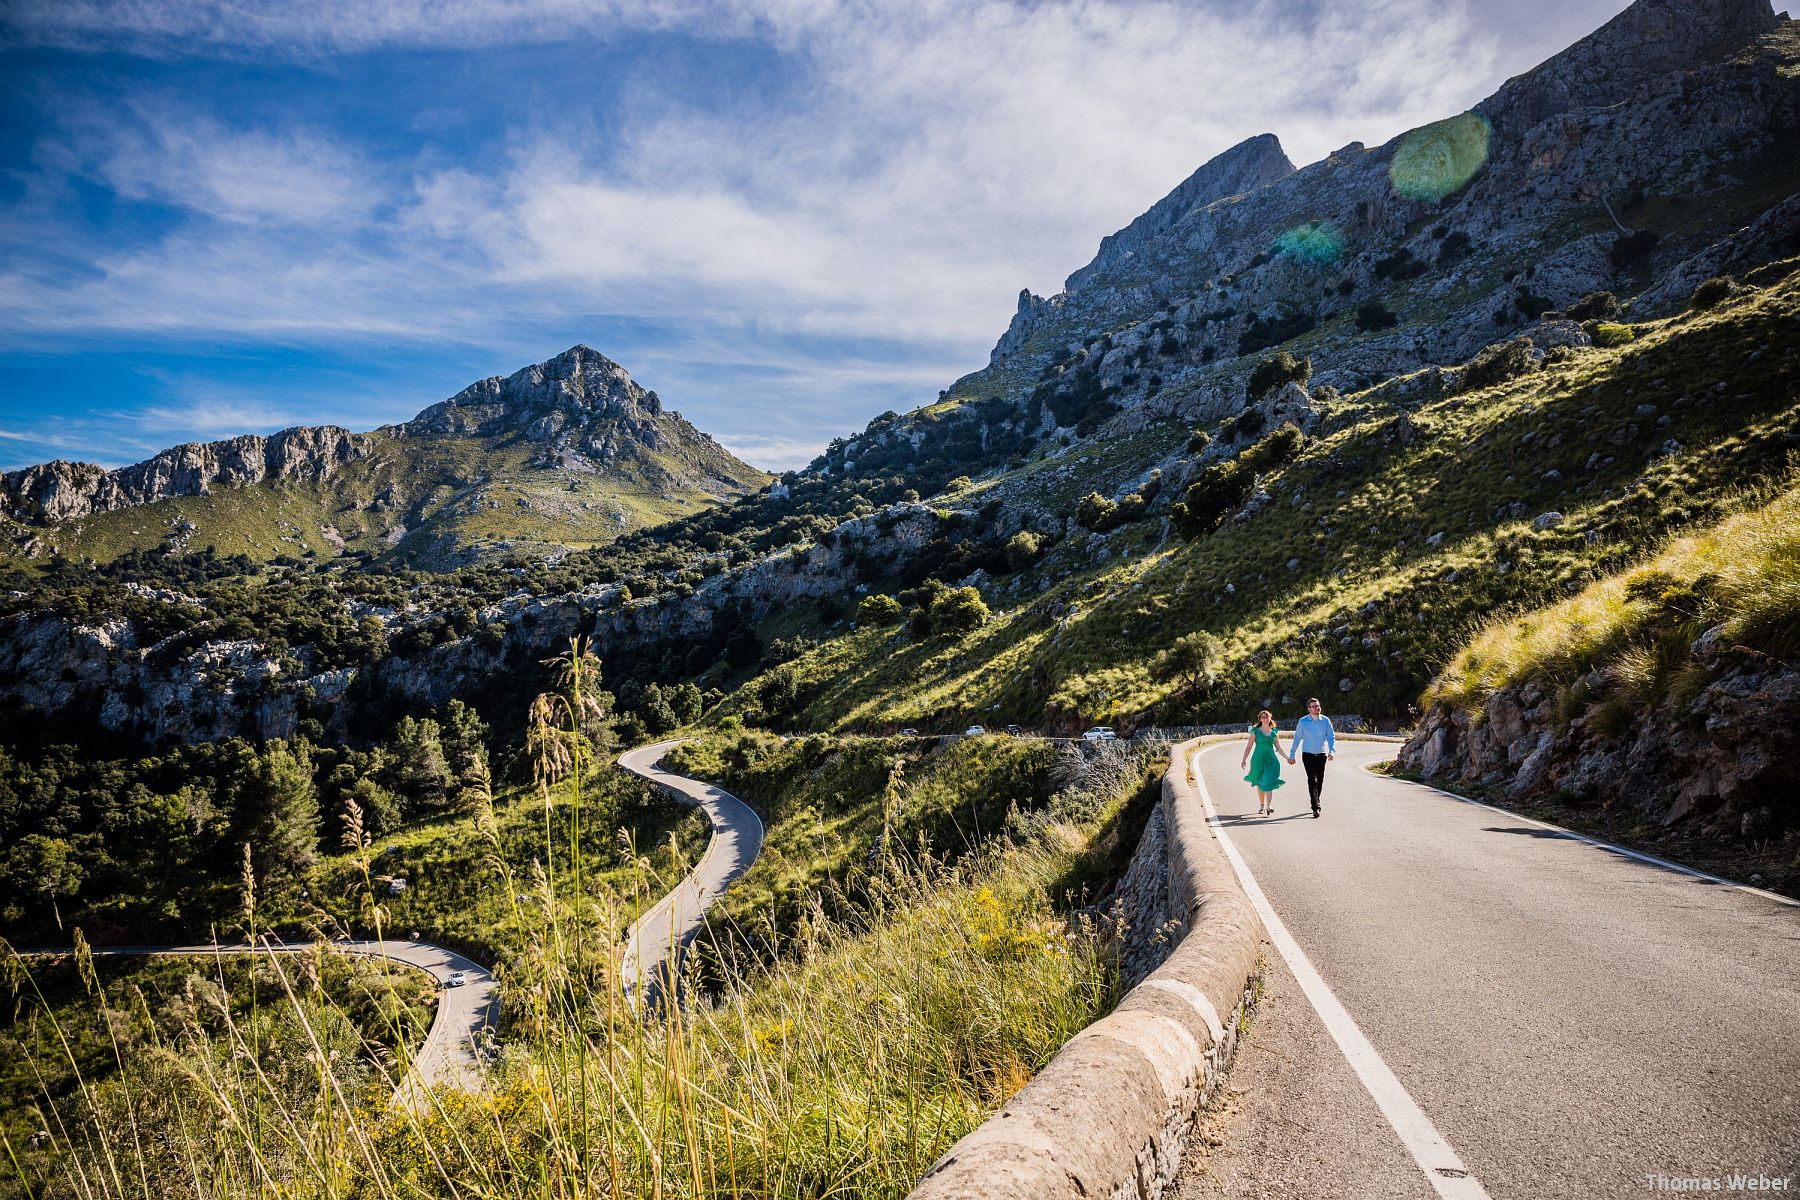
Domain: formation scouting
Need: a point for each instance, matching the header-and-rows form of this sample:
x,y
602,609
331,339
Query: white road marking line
x,y
1604,845
1443,1168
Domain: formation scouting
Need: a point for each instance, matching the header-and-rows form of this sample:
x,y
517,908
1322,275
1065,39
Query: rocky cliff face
x,y
61,491
1721,761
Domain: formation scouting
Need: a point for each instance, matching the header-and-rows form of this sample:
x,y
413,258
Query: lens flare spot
x,y
1440,159
1313,242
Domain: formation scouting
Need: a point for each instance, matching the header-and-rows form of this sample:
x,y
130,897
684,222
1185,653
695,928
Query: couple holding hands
x,y
1315,741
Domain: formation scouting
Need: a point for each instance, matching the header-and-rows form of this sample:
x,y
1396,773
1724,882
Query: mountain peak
x,y
578,385
1251,164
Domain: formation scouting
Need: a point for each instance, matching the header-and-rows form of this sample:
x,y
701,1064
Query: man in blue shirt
x,y
1315,741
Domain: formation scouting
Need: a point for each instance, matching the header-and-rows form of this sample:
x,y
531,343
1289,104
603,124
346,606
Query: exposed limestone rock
x,y
60,491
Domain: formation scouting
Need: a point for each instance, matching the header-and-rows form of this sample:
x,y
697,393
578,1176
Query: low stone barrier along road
x,y
1464,1002
461,1030
657,938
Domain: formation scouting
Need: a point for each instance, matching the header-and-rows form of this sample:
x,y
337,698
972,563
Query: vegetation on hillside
x,y
1358,566
840,1061
1637,628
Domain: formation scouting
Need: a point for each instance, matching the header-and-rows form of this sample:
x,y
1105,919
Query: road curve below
x,y
1566,1019
654,942
453,1050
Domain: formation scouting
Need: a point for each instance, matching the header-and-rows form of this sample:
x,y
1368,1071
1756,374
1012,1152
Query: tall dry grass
x,y
1636,628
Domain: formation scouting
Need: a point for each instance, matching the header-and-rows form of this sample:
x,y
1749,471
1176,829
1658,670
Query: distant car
x,y
909,733
457,979
974,731
1100,733
1014,731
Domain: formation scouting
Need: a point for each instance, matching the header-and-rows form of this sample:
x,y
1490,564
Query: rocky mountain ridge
x,y
1663,136
53,492
1391,273
526,441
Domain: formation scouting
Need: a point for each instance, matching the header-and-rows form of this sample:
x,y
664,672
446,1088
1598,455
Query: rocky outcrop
x,y
1723,760
1249,165
109,674
62,491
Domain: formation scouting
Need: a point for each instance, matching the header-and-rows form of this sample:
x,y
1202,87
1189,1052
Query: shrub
x,y
1595,306
878,610
1224,486
1283,368
1095,512
1170,346
1531,306
1199,441
1248,423
1710,293
1633,247
959,610
1021,551
1607,334
1375,316
961,483
1453,249
1399,265
1497,364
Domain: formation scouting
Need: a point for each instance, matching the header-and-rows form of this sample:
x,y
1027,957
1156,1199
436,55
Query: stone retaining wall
x,y
1108,1116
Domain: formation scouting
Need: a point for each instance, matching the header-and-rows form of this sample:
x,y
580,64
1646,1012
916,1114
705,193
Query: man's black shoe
x,y
1315,814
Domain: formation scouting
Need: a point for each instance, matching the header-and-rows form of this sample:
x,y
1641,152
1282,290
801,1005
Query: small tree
x,y
1021,551
420,770
45,866
958,611
1194,660
279,792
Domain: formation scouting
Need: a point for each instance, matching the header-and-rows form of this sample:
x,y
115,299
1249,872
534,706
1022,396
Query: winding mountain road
x,y
1462,1002
657,938
461,1031
453,1048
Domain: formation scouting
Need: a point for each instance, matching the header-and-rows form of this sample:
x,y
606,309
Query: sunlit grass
x,y
1742,576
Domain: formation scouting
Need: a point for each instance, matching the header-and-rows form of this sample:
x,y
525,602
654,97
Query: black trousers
x,y
1315,776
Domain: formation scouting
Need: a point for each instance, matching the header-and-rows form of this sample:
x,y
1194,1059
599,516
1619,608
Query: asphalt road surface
x,y
676,919
1463,1003
453,1048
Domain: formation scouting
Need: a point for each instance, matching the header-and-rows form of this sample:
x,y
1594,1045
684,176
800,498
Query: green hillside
x,y
1397,528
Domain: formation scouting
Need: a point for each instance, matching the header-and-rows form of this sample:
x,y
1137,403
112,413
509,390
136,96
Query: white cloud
x,y
157,150
932,158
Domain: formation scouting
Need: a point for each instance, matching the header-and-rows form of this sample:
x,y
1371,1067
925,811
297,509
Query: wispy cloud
x,y
927,161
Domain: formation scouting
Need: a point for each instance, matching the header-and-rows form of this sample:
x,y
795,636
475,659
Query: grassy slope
x,y
1742,575
1368,597
461,884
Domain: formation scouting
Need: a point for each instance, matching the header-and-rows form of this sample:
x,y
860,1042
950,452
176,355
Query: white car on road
x,y
457,979
1100,733
975,731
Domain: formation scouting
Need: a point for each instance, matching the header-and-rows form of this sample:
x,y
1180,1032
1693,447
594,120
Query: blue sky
x,y
231,216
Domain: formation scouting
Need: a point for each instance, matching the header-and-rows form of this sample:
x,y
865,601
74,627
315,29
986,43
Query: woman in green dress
x,y
1262,750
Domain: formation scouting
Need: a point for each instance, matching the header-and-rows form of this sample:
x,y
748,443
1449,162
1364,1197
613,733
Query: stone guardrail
x,y
1110,1113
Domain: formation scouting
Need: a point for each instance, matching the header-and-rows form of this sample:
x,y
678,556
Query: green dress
x,y
1265,760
